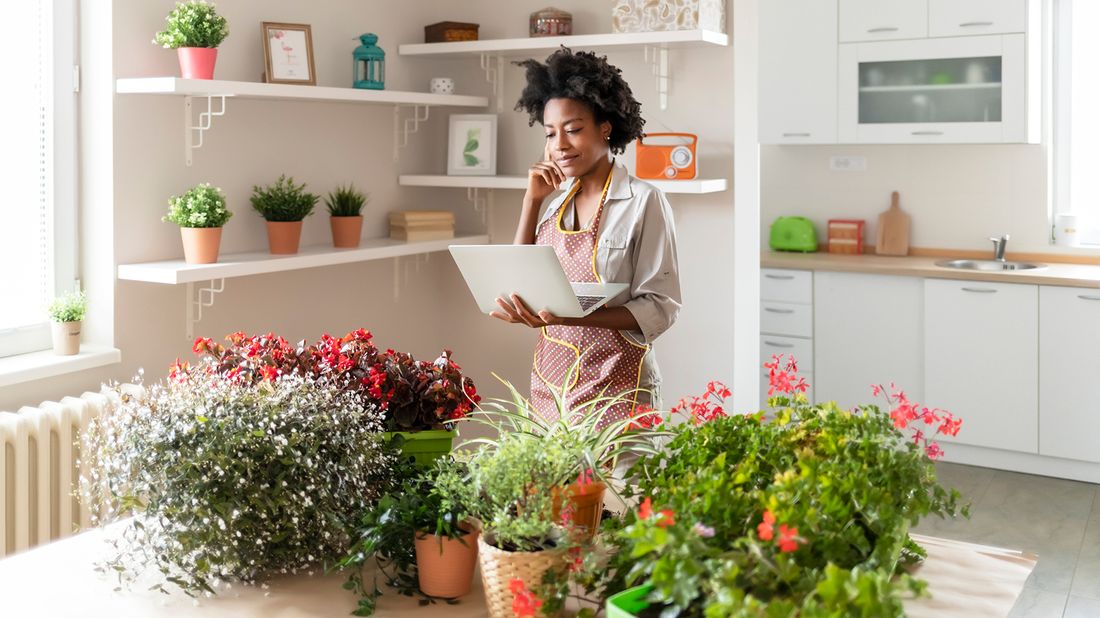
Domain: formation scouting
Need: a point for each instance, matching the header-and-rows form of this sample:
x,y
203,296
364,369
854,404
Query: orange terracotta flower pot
x,y
283,236
445,567
346,231
201,244
586,503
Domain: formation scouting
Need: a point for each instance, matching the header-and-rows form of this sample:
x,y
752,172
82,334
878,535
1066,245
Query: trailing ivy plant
x,y
283,200
201,206
193,24
345,202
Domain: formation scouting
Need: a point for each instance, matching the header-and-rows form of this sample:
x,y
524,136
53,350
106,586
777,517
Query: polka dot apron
x,y
611,365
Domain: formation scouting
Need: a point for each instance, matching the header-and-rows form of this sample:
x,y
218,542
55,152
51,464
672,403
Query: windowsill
x,y
46,364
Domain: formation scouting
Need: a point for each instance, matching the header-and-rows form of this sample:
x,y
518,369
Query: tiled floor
x,y
1056,519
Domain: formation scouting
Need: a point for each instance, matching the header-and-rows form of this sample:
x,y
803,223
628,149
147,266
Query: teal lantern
x,y
370,63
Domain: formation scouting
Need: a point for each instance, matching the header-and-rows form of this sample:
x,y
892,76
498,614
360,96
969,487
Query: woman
x,y
606,226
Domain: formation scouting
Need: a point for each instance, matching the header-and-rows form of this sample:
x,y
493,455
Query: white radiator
x,y
39,479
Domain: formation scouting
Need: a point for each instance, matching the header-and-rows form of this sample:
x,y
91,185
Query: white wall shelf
x,y
175,272
931,87
522,46
698,186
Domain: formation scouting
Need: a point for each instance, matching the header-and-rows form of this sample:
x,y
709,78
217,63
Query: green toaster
x,y
793,234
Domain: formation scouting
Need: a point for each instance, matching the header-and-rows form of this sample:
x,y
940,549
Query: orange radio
x,y
669,161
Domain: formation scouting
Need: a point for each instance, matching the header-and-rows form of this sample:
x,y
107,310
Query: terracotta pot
x,y
499,567
445,567
586,502
346,231
283,236
197,62
200,244
66,338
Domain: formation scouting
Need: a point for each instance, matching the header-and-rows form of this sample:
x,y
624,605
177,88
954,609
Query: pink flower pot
x,y
197,62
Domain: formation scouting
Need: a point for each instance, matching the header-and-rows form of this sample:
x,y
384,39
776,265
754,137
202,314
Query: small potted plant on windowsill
x,y
345,205
194,29
283,205
200,213
67,314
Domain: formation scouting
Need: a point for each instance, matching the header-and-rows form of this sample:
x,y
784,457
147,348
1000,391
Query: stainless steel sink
x,y
988,265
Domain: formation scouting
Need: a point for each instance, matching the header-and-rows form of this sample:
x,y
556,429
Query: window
x,y
1076,101
38,251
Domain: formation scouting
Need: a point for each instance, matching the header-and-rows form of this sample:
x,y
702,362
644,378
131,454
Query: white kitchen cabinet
x,y
868,329
787,286
798,76
971,17
981,358
786,321
878,20
949,90
1069,363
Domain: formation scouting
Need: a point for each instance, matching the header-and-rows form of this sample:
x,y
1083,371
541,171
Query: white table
x,y
59,580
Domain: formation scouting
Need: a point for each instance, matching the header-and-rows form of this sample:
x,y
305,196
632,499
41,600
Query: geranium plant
x,y
200,206
283,200
193,24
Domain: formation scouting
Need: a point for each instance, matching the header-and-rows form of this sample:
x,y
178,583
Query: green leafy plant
x,y
201,206
345,202
70,307
283,200
470,147
193,24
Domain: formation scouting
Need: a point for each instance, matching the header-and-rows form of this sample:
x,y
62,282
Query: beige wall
x,y
326,144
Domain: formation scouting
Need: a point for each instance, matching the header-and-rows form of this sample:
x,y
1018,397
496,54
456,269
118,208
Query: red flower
x,y
524,602
950,426
201,344
644,417
577,561
584,478
766,528
178,371
784,379
933,451
269,372
666,518
788,539
645,509
719,389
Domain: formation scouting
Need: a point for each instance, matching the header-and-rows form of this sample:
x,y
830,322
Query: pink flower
x,y
766,528
933,451
704,531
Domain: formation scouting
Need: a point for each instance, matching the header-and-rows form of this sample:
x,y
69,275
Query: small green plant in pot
x,y
194,29
201,214
345,204
283,204
66,316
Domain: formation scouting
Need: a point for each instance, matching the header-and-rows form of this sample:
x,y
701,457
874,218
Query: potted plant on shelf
x,y
194,29
345,205
66,316
200,213
283,205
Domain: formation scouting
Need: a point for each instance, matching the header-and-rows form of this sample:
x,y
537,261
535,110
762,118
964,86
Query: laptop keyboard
x,y
588,302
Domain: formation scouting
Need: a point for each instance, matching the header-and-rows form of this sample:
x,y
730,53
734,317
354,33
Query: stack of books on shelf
x,y
421,225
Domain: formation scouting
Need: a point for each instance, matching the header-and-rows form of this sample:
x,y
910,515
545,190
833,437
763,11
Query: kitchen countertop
x,y
1073,275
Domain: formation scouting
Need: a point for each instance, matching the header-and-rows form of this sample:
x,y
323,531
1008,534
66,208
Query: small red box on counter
x,y
846,236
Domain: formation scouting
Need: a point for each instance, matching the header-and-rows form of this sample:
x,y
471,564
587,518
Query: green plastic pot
x,y
629,602
425,446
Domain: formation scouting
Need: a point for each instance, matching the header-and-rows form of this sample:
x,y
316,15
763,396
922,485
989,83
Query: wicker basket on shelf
x,y
499,568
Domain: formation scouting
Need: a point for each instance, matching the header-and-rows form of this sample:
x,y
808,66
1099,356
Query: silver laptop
x,y
532,272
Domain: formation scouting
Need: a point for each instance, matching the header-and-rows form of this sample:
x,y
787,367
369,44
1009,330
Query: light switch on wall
x,y
854,163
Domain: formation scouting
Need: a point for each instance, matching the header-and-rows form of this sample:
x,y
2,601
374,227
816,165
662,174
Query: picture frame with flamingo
x,y
288,54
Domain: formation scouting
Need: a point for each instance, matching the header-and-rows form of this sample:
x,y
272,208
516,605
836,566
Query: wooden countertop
x,y
1072,275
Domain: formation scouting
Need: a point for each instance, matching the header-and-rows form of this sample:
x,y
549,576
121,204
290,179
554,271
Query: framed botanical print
x,y
288,54
472,145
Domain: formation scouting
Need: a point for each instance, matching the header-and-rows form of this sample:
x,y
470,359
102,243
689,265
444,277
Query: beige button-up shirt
x,y
636,245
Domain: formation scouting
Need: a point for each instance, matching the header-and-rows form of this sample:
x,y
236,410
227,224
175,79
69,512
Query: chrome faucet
x,y
999,245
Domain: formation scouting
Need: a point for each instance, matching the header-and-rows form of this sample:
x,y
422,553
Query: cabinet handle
x,y
778,344
882,29
1088,297
980,290
775,310
782,277
927,133
796,135
972,24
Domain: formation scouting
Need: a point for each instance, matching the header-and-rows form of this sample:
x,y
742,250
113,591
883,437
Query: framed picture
x,y
472,145
288,54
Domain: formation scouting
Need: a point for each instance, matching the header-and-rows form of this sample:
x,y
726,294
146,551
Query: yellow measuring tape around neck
x,y
573,193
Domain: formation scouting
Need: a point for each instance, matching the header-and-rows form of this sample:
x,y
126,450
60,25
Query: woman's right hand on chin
x,y
544,177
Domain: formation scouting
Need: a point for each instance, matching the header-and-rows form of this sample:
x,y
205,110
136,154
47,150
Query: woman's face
x,y
575,141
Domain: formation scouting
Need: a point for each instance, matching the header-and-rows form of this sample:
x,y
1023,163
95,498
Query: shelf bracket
x,y
196,302
402,128
401,275
480,202
657,58
205,121
494,74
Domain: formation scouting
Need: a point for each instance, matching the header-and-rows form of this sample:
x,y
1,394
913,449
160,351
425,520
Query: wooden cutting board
x,y
892,231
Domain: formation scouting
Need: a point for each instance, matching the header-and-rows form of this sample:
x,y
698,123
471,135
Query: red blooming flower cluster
x,y
644,417
524,602
784,378
665,517
706,407
787,541
907,414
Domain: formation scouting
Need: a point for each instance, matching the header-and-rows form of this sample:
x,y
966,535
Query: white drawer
x,y
792,319
787,286
801,349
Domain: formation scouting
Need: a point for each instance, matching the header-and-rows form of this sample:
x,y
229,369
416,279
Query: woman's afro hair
x,y
588,78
